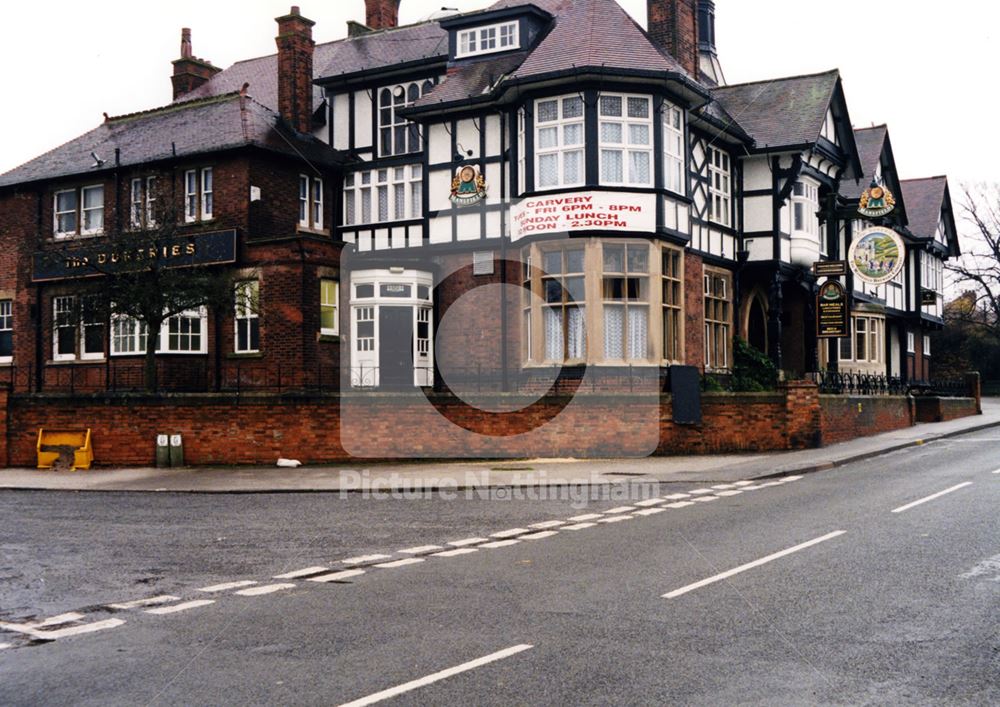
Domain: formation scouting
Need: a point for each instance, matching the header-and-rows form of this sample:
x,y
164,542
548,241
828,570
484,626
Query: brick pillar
x,y
673,26
295,69
4,455
382,14
803,426
975,385
190,72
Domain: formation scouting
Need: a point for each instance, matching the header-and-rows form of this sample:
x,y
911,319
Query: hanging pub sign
x,y
831,311
877,255
830,268
468,187
876,201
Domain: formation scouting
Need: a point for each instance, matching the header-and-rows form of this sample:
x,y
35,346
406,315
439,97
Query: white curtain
x,y
577,339
553,334
638,333
614,344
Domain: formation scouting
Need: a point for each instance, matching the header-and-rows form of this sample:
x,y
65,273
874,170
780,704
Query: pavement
x,y
461,475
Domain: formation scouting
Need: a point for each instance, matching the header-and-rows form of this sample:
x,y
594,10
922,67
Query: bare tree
x,y
977,272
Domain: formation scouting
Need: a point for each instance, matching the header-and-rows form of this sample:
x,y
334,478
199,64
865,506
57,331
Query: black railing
x,y
852,383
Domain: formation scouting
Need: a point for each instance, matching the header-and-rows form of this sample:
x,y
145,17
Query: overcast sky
x,y
930,75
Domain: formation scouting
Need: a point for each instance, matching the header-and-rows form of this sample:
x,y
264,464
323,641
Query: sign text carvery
x,y
601,211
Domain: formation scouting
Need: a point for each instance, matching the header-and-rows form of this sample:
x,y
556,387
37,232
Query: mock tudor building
x,y
479,196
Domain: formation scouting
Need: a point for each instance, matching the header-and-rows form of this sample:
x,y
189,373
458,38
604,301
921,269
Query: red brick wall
x,y
935,409
694,311
673,25
845,417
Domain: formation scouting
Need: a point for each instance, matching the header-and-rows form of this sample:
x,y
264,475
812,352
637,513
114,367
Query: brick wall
x,y
673,25
844,418
694,311
935,409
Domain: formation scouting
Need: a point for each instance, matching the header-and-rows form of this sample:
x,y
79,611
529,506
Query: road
x,y
876,583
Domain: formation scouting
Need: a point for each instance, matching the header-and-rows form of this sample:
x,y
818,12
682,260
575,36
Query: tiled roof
x,y
870,142
180,129
781,112
924,201
594,33
465,82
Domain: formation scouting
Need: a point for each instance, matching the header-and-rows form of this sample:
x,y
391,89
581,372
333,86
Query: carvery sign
x,y
601,211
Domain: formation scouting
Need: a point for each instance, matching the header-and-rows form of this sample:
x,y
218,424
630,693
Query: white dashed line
x,y
74,630
181,607
227,586
58,620
793,478
676,496
997,471
908,506
400,563
422,550
723,487
5,646
698,492
364,559
753,487
435,677
467,541
706,499
580,526
547,524
680,504
586,517
751,565
336,576
151,601
456,552
615,519
266,589
541,535
302,573
514,532
500,543
743,483
650,512
736,492
620,509
650,502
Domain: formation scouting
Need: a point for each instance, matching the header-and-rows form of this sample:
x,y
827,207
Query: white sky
x,y
929,75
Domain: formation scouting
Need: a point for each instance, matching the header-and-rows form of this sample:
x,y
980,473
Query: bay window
x,y
805,204
626,140
565,298
673,149
625,295
866,343
672,303
559,142
399,195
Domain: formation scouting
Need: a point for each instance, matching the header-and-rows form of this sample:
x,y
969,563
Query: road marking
x,y
400,563
266,589
752,487
735,492
364,559
697,492
908,506
723,487
457,552
435,677
541,535
336,576
510,533
150,601
467,541
620,509
500,543
181,607
545,525
422,550
793,478
227,586
586,516
58,620
706,499
680,504
997,471
650,502
677,496
615,519
75,630
5,646
580,526
743,483
302,573
751,565
650,512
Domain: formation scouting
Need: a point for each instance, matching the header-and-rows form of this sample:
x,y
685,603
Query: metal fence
x,y
850,383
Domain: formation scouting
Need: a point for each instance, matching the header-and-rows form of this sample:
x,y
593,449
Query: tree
x,y
977,272
146,277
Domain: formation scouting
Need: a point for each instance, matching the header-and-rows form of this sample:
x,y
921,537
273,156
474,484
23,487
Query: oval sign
x,y
877,255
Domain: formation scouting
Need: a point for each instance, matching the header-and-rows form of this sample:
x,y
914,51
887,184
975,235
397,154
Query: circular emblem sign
x,y
877,255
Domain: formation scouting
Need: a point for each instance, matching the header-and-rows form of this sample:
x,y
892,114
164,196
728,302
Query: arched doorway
x,y
757,324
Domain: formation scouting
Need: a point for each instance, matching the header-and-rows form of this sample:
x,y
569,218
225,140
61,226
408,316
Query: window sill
x,y
312,231
328,338
252,355
63,238
75,361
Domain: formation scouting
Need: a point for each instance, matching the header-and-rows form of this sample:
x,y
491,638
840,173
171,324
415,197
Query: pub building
x,y
363,191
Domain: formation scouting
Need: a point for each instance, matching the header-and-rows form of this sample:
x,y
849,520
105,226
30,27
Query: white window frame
x,y
489,39
522,162
141,339
911,342
874,338
927,346
7,325
126,330
311,202
718,327
561,149
404,136
142,203
199,196
720,187
63,305
326,305
626,147
246,305
626,305
674,149
79,212
86,355
407,177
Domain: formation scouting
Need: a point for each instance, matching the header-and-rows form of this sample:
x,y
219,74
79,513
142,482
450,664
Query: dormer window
x,y
488,40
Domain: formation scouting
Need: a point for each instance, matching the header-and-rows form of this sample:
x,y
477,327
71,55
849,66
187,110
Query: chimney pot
x,y
673,26
295,69
190,72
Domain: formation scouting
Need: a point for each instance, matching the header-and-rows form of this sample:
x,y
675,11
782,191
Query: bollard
x,y
176,450
162,451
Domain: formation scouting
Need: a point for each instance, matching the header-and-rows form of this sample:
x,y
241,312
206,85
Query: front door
x,y
395,358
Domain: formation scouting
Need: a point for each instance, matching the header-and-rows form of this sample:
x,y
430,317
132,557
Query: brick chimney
x,y
382,14
673,26
190,72
295,69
